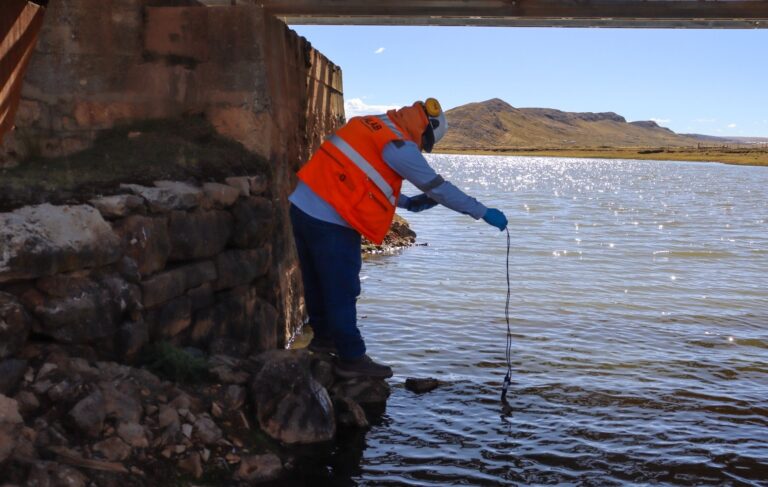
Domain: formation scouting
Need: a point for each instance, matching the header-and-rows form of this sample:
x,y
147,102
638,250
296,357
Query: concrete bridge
x,y
733,14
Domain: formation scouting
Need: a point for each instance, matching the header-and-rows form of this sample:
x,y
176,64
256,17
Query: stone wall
x,y
99,64
174,262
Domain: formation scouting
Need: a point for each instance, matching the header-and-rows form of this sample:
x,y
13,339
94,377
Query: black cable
x,y
508,352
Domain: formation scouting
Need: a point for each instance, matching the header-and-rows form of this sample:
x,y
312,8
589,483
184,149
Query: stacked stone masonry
x,y
172,262
97,66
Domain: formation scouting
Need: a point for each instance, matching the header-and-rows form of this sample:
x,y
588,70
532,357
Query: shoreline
x,y
744,156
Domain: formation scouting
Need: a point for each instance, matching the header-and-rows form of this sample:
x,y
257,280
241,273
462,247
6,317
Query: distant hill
x,y
495,124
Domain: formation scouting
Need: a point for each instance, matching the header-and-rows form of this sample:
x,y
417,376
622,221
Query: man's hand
x,y
495,218
420,203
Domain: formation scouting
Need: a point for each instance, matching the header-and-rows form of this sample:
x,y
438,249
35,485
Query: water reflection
x,y
640,303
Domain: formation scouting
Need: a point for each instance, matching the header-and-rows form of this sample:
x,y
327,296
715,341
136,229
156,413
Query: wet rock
x,y
45,239
15,325
113,449
11,425
421,385
399,235
259,468
89,413
253,222
221,195
146,241
118,205
237,267
134,434
168,198
206,430
192,464
173,283
198,234
351,413
291,406
322,371
364,391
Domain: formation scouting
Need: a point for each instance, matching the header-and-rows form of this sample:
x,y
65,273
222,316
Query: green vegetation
x,y
180,149
174,364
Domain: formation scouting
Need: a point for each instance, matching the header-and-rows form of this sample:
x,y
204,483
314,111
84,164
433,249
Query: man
x,y
350,187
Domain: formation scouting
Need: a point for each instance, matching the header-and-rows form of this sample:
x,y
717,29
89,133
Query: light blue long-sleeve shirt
x,y
405,158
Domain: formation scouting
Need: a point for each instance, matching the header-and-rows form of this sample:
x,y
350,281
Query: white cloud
x,y
356,106
379,50
731,125
661,121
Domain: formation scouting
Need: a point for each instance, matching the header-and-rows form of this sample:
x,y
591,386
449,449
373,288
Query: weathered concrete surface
x,y
45,239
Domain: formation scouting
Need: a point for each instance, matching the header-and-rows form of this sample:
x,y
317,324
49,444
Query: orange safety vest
x,y
349,172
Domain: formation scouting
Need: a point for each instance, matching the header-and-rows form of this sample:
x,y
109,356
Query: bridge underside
x,y
708,14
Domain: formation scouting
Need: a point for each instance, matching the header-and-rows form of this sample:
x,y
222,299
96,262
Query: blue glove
x,y
495,218
420,203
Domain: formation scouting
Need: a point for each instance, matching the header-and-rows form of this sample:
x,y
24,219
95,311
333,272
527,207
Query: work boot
x,y
322,345
362,367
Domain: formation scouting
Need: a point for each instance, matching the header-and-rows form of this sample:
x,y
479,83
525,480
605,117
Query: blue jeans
x,y
329,256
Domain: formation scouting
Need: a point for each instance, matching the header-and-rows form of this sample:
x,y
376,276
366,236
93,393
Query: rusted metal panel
x,y
539,13
19,28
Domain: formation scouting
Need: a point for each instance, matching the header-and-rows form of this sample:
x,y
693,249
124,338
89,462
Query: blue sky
x,y
703,81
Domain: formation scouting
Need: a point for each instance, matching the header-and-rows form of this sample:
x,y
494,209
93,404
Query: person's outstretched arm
x,y
406,159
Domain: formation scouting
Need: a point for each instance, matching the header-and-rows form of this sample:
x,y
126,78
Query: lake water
x,y
639,320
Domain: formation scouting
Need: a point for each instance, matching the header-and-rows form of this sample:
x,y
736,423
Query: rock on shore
x,y
72,420
400,235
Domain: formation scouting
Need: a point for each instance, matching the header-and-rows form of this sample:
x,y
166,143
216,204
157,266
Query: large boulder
x,y
15,324
45,239
367,392
80,309
289,404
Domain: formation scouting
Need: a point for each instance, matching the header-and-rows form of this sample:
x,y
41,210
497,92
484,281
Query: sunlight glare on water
x,y
639,317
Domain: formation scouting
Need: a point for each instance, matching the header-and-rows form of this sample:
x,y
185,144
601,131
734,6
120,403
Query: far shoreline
x,y
741,155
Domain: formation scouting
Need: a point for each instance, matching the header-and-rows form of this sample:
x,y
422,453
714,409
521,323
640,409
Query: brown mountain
x,y
495,124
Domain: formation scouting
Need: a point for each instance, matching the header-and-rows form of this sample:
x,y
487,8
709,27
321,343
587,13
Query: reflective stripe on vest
x,y
390,125
364,166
